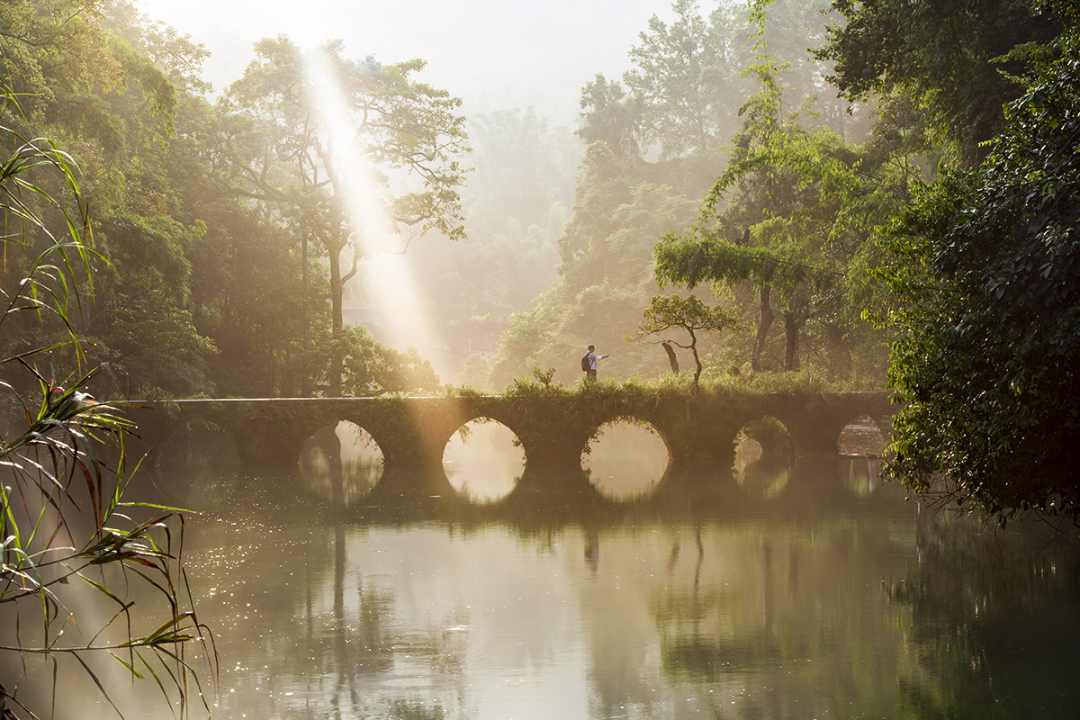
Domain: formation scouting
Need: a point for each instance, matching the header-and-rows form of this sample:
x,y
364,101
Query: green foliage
x,y
112,109
540,384
370,369
790,216
522,165
690,314
989,335
606,282
654,146
475,372
608,118
773,438
64,522
248,296
684,78
544,376
141,321
683,385
805,380
515,209
190,263
959,59
693,259
49,49
46,284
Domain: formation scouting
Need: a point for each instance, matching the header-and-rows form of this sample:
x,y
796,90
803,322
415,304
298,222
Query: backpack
x,y
586,365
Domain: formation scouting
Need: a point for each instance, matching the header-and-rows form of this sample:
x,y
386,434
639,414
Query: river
x,y
809,590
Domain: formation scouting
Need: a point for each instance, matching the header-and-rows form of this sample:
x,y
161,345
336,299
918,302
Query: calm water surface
x,y
802,591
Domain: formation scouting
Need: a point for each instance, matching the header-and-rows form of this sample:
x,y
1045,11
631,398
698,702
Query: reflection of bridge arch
x,y
341,463
862,436
483,460
627,459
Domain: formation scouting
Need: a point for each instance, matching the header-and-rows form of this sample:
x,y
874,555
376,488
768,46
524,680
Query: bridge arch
x,y
863,436
381,432
764,458
491,470
509,420
645,419
342,463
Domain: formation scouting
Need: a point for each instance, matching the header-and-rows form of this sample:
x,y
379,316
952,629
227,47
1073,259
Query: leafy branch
x,y
63,516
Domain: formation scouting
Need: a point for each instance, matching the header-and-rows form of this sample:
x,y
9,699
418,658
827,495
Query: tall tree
x,y
775,230
989,334
331,141
683,80
794,215
83,77
50,49
654,146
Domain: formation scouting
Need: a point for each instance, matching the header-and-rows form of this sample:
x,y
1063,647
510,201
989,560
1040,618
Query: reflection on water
x,y
625,460
341,463
197,468
860,475
763,458
483,461
701,600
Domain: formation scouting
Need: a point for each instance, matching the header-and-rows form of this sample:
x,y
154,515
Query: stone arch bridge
x,y
554,426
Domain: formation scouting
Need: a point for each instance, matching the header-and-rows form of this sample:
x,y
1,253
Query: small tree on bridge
x,y
668,312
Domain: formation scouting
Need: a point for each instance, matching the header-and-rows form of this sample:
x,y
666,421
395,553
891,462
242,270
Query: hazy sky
x,y
493,54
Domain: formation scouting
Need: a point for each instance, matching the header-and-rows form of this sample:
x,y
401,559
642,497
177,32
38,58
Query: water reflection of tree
x,y
338,666
986,614
771,608
343,471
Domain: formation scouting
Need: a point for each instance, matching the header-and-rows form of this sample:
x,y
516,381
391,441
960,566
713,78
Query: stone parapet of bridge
x,y
553,425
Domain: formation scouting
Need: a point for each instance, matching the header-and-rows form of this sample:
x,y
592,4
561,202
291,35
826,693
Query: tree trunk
x,y
765,321
697,361
304,285
672,360
792,325
337,291
336,288
336,361
841,363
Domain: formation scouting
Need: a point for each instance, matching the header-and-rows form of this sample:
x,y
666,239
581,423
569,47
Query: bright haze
x,y
494,55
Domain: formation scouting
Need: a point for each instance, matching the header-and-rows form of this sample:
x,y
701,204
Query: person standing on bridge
x,y
588,363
